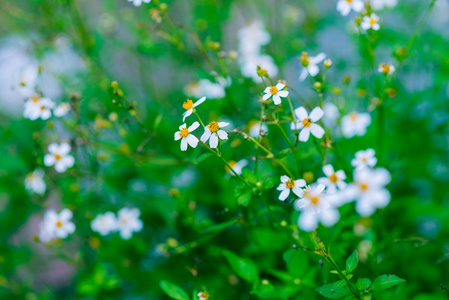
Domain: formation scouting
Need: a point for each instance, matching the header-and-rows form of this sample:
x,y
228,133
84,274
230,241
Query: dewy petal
x,y
316,114
199,102
194,126
317,130
266,96
192,140
206,135
284,194
328,170
213,141
280,86
276,99
177,135
184,144
222,134
301,113
304,134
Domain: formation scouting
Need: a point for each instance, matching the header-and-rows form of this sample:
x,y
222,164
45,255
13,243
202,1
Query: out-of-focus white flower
x,y
355,124
104,223
288,184
186,137
331,114
364,159
386,69
256,129
189,106
368,189
381,4
248,66
139,2
252,37
56,225
35,182
128,222
213,133
315,208
59,157
345,6
310,65
203,296
206,88
333,179
237,166
62,109
307,124
36,108
370,22
276,92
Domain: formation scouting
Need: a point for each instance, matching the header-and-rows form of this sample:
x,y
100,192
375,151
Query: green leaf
x,y
334,290
250,176
281,154
267,183
297,262
243,195
204,157
385,281
173,291
352,262
363,284
244,267
263,289
87,287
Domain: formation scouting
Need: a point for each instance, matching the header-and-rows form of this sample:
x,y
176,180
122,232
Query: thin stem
x,y
199,119
351,287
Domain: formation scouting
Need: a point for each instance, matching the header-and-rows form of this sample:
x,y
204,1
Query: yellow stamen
x,y
333,178
372,21
188,104
353,116
290,184
306,122
364,159
59,224
363,186
349,1
58,157
213,126
273,90
314,200
42,107
184,132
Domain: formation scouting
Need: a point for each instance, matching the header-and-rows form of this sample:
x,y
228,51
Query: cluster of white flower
x,y
139,2
41,107
126,222
369,20
56,225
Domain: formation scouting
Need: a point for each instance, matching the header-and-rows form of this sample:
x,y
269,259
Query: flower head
x,y
36,107
364,159
386,69
128,222
345,6
186,137
56,225
59,157
288,184
104,223
355,124
333,179
62,109
370,22
214,133
275,91
203,295
189,106
310,64
35,182
306,123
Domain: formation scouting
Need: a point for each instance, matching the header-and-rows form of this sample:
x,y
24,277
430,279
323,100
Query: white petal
x,y
303,74
266,97
316,130
285,178
213,141
304,134
199,102
313,70
49,160
328,170
300,183
281,187
177,135
206,135
316,114
276,99
280,86
301,113
329,217
282,94
317,59
184,144
284,194
60,167
194,126
66,214
192,140
222,134
298,191
64,148
186,114
68,160
223,124
308,220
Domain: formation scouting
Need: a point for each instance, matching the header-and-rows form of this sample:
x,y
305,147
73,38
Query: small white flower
x,y
237,166
371,21
252,37
206,88
128,222
307,123
355,124
139,2
36,108
276,92
248,66
213,133
35,182
61,110
345,6
380,4
104,223
288,184
56,225
203,296
186,137
364,159
310,65
189,106
315,207
59,157
333,180
386,69
256,129
368,189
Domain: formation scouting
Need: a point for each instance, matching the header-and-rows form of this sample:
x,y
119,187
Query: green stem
x,y
351,287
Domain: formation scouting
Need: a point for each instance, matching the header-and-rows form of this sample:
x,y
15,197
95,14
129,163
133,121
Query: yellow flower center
x,y
372,21
306,122
42,107
363,186
314,200
57,157
59,224
184,132
385,68
188,104
333,178
304,59
273,90
353,116
35,99
124,221
290,184
213,127
349,1
364,159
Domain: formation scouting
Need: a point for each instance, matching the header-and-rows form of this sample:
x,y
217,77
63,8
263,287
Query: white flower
x,y
315,207
371,21
213,133
288,184
355,124
368,189
206,88
129,222
252,37
56,225
35,182
203,296
331,114
248,66
364,159
310,64
306,123
333,179
44,235
345,6
61,110
256,129
189,106
186,137
386,69
36,108
59,157
276,92
104,223
380,4
139,2
237,166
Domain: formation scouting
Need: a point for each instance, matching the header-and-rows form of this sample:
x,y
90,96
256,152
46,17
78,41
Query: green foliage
x,y
173,291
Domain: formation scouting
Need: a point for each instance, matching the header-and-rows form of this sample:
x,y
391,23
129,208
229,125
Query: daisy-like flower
x,y
310,64
355,124
345,6
139,2
370,22
203,295
333,180
57,225
104,223
276,92
35,182
315,207
368,189
61,110
364,159
288,184
59,157
386,69
307,124
128,222
36,108
213,133
189,106
237,166
186,137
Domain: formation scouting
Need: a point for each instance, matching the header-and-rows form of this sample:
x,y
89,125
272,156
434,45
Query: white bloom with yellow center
x,y
307,124
237,166
276,92
104,223
128,222
186,137
364,159
316,208
59,157
62,109
310,65
213,133
249,64
288,184
386,69
37,107
333,179
35,182
56,225
139,2
345,6
355,124
370,22
189,106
